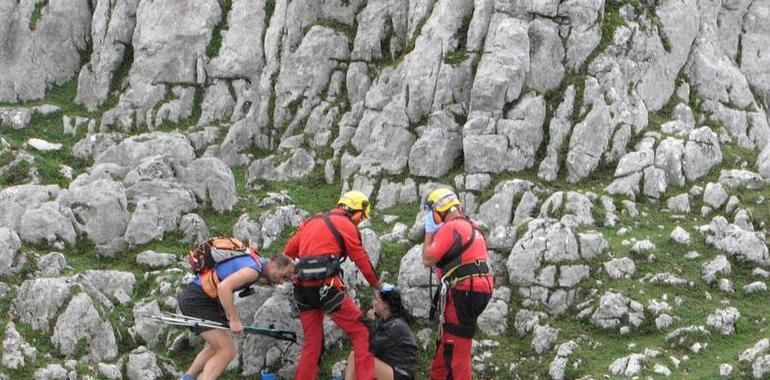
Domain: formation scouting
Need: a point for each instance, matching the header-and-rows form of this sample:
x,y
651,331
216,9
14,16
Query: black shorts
x,y
401,375
193,302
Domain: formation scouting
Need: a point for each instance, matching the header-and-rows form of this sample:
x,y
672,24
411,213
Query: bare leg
x,y
382,371
200,361
221,342
350,367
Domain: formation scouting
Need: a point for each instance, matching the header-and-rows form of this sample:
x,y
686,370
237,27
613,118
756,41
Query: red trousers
x,y
347,317
452,360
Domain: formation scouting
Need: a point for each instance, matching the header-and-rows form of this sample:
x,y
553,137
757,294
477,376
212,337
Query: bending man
x,y
215,303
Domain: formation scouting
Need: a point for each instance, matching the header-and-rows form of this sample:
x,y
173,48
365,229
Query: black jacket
x,y
392,342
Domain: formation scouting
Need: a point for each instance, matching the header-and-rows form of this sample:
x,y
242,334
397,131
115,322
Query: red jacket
x,y
314,238
456,232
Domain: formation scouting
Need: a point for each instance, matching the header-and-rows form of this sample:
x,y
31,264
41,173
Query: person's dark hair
x,y
393,300
281,259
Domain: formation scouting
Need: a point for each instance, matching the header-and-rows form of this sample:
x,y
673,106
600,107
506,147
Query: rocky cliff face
x,y
615,152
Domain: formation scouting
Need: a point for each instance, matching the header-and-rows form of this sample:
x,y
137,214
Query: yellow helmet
x,y
441,200
355,201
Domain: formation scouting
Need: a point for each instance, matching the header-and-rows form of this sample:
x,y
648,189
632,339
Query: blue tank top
x,y
231,266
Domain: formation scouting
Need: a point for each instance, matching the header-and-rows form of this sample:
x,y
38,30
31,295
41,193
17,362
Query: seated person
x,y
391,341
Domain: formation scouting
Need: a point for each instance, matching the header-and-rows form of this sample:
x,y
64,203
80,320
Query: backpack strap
x,y
337,235
457,250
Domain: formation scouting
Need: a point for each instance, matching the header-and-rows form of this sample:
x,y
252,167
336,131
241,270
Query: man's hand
x,y
430,225
370,314
236,327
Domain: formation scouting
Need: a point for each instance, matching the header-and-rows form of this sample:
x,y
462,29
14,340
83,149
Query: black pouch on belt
x,y
317,267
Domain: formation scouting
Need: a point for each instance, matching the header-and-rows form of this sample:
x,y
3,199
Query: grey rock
x,y
654,182
719,266
634,162
395,193
111,30
669,156
662,370
48,223
526,208
680,235
743,220
172,200
413,279
80,321
509,144
494,319
275,222
438,147
501,73
218,103
212,182
193,228
589,140
146,224
744,245
298,166
571,275
248,230
241,53
51,372
732,203
620,268
628,366
42,54
116,284
643,247
525,321
614,309
155,259
736,178
15,117
584,29
544,338
750,354
51,264
627,186
755,287
761,367
148,330
259,351
142,364
763,162
176,109
15,348
9,249
95,144
203,138
701,153
557,368
725,370
559,129
100,208
679,203
109,371
546,55
724,320
714,195
39,300
663,321
130,152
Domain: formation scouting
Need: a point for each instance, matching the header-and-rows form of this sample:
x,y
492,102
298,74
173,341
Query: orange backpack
x,y
207,255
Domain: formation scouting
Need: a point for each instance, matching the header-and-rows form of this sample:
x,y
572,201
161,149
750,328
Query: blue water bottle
x,y
267,375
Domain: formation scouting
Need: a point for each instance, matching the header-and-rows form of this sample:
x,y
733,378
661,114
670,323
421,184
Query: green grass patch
x,y
212,50
37,14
